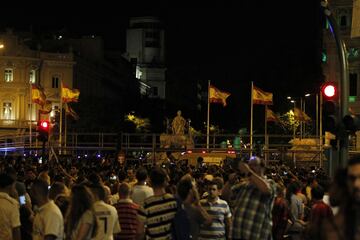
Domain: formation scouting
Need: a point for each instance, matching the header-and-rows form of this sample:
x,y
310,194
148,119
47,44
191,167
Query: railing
x,y
279,148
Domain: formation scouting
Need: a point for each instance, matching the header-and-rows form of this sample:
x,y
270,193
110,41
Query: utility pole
x,y
344,80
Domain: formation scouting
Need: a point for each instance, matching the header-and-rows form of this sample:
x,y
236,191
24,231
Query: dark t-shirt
x,y
195,219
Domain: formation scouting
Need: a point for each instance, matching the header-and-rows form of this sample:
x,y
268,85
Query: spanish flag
x,y
69,95
217,96
37,95
271,116
262,97
301,116
46,108
71,112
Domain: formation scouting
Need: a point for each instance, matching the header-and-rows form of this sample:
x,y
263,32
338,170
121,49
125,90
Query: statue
x,y
7,111
178,124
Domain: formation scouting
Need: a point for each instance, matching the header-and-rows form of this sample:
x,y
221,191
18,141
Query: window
x,y
343,21
55,82
154,44
8,74
155,35
154,91
353,84
7,110
32,76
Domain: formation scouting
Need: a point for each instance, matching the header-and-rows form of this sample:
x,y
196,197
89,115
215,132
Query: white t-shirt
x,y
107,221
9,216
48,221
140,193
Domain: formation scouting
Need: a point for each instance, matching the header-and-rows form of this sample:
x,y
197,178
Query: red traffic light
x,y
329,90
44,125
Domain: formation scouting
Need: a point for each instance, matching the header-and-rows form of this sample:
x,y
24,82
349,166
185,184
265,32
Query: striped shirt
x,y
157,214
253,212
219,211
128,219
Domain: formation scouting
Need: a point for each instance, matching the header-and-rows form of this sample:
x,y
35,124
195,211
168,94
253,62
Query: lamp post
x,y
294,129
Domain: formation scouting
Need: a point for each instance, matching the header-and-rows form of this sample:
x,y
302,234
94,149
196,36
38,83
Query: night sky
x,y
275,45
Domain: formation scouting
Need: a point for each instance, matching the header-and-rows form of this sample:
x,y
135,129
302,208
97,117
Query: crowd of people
x,y
241,199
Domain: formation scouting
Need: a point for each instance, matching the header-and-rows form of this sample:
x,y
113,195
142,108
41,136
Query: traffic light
x,y
330,108
351,123
43,130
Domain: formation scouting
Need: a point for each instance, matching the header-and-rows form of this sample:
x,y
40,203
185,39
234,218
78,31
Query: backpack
x,y
181,223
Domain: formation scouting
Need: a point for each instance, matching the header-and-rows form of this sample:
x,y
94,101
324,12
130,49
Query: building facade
x,y
343,11
145,49
20,67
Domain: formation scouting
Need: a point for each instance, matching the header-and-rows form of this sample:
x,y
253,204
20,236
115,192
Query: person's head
x,y
215,187
178,113
45,177
280,190
124,190
121,158
158,177
39,190
98,191
353,178
11,172
81,200
317,193
7,183
141,174
130,173
56,189
257,165
184,188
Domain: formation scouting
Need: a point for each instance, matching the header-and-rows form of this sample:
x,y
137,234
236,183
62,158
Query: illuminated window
x,y
8,74
138,72
7,110
32,76
55,81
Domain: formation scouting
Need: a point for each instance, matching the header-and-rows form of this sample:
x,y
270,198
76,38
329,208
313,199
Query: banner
x,y
217,96
262,97
37,95
301,116
271,116
69,95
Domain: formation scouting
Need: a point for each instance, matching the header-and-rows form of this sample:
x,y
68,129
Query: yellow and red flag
x,y
71,112
271,116
37,95
68,94
46,108
217,96
262,97
301,116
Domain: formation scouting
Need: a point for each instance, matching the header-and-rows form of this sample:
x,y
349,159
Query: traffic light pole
x,y
344,80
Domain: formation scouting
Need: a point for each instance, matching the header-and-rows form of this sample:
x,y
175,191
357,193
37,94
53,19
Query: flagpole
x,y
266,136
61,110
251,118
30,118
208,118
65,133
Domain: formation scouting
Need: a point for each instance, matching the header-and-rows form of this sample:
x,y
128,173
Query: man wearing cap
x,y
253,205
